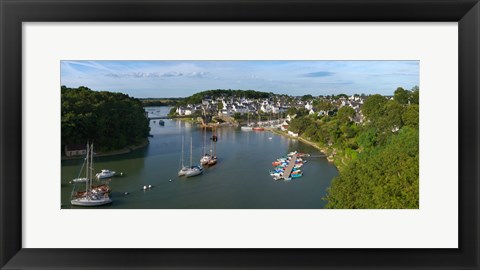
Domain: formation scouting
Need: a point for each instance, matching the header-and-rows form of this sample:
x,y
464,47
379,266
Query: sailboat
x,y
247,127
91,196
205,159
183,168
213,156
81,179
193,170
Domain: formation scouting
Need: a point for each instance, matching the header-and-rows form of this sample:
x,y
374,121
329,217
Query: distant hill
x,y
197,97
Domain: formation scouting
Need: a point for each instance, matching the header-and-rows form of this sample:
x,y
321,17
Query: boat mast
x,y
91,165
215,143
204,139
191,147
183,142
88,168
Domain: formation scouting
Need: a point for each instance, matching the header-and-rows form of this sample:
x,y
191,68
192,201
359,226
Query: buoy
x,y
126,193
121,174
144,187
149,186
170,180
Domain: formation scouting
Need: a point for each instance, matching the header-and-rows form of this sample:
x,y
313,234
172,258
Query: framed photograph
x,y
239,134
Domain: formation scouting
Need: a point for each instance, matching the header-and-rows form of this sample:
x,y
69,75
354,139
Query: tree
x,y
111,120
401,95
345,114
307,97
411,116
374,107
324,105
292,111
392,118
415,96
385,177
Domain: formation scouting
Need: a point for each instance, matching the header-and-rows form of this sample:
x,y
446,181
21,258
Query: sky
x,y
143,79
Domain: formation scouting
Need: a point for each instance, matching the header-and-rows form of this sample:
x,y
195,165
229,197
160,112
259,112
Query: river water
x,y
240,180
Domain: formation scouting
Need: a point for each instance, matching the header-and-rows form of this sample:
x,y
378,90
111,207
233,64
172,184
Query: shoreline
x,y
324,150
122,151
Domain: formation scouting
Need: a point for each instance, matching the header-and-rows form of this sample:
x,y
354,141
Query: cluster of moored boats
x,y
207,159
288,167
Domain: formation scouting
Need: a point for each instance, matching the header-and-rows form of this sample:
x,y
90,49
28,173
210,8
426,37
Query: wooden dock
x,y
288,170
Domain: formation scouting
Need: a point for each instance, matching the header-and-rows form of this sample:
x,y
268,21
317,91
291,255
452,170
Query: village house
x,y
72,150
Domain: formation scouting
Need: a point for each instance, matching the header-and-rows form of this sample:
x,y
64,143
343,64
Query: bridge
x,y
158,117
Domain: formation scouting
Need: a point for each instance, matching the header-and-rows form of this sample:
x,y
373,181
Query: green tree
x,y
386,177
345,114
324,105
306,97
401,95
411,116
374,107
110,120
415,96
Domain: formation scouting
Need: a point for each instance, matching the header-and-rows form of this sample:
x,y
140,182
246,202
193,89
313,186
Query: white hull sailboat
x,y
183,169
193,170
205,159
213,149
91,196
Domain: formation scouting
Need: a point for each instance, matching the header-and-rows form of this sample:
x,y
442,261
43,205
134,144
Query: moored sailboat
x,y
193,170
183,169
213,156
93,196
205,159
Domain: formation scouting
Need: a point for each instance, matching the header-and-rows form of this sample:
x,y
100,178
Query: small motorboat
x,y
105,174
80,180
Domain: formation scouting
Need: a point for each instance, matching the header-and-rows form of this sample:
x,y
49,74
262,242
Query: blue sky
x,y
143,79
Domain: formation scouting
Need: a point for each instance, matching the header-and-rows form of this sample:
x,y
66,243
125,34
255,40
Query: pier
x,y
289,168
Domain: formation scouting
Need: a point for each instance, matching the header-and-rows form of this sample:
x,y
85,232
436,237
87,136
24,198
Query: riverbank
x,y
324,150
122,151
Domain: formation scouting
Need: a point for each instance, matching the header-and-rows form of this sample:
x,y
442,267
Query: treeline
x,y
110,120
150,102
197,97
378,159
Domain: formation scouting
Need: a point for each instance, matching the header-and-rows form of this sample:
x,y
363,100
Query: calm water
x,y
240,180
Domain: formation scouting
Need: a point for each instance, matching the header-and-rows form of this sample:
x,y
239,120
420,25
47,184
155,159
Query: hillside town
x,y
276,106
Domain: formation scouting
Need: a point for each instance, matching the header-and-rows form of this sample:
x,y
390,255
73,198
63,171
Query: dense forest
x,y
197,97
150,102
110,120
378,160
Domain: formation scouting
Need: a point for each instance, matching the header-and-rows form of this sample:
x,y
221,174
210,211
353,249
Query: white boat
x,y
246,128
91,199
192,170
292,153
91,196
105,174
213,149
80,180
205,159
183,169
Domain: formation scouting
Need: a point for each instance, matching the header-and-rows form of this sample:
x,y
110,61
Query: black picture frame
x,y
15,12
